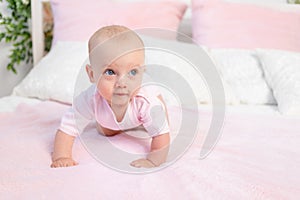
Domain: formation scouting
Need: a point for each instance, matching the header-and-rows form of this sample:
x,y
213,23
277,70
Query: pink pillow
x,y
77,20
219,24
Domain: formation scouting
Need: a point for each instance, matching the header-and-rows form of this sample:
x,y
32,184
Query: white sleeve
x,y
79,115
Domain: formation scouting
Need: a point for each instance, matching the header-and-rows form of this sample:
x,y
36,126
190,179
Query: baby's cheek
x,y
105,87
135,85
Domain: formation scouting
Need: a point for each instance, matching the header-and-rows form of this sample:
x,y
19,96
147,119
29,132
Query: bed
x,y
255,154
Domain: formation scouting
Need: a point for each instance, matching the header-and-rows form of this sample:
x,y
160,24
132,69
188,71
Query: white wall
x,y
7,78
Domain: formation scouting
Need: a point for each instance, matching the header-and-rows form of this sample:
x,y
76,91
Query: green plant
x,y
17,32
294,1
48,26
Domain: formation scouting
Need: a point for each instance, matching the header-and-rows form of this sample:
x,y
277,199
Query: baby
x,y
116,100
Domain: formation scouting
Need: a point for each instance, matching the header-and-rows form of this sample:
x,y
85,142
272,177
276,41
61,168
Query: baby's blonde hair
x,y
115,32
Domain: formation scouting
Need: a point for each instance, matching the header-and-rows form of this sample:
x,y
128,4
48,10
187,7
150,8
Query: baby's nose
x,y
121,82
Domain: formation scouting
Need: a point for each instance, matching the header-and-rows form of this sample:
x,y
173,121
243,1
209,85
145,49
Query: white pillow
x,y
197,83
241,70
282,69
55,75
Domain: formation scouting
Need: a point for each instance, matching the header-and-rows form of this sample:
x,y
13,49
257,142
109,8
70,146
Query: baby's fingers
x,y
142,163
136,163
54,165
69,163
63,163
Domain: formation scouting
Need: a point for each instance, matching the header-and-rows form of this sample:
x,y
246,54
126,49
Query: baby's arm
x,y
62,155
159,148
74,121
158,154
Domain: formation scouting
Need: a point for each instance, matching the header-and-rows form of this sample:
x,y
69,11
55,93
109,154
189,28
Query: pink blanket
x,y
257,157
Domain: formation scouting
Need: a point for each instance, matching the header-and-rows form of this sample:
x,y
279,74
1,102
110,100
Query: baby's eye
x,y
109,72
133,72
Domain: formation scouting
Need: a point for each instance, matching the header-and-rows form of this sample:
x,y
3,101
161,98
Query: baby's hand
x,y
63,162
142,163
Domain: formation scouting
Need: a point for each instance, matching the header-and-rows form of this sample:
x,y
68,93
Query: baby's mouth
x,y
121,94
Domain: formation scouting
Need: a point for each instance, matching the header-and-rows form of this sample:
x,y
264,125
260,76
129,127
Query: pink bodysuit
x,y
143,109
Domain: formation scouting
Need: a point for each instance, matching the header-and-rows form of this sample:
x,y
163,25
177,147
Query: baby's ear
x,y
90,73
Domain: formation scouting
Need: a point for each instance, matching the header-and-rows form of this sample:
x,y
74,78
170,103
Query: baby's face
x,y
120,81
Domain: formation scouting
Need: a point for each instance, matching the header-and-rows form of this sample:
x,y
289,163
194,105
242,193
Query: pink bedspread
x,y
257,157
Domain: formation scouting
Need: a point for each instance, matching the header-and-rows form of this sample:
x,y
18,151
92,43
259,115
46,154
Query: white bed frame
x,y
37,30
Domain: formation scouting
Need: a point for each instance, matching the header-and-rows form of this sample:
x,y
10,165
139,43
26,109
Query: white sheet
x,y
9,103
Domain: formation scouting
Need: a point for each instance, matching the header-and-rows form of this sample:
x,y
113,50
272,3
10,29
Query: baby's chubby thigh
x,y
105,131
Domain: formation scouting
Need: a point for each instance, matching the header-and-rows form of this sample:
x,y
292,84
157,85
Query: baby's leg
x,y
105,131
